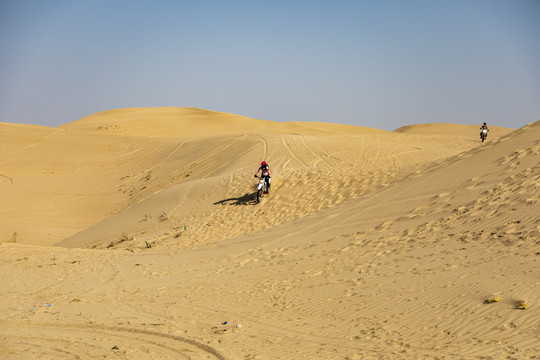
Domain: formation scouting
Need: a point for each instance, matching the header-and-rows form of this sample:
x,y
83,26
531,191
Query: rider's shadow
x,y
247,199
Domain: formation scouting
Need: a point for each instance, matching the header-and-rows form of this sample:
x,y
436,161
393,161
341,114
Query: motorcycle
x,y
483,134
262,188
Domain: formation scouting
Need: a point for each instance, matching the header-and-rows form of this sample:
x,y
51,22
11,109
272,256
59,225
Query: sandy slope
x,y
372,244
449,129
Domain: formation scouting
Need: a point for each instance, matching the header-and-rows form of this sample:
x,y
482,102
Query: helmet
x,y
263,163
484,123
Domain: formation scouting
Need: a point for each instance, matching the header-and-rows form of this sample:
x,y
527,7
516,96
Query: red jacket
x,y
265,172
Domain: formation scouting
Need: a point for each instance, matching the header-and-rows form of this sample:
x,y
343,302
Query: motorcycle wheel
x,y
259,195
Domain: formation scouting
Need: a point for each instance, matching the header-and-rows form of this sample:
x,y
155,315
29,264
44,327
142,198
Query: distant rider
x,y
265,173
483,131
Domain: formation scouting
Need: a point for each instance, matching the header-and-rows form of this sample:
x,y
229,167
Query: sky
x,y
381,64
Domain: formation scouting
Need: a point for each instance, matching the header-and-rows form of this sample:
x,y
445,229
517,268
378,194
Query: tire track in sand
x,y
5,182
265,145
291,152
89,340
319,157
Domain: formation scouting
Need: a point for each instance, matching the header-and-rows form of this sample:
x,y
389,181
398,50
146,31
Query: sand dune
x,y
371,244
449,129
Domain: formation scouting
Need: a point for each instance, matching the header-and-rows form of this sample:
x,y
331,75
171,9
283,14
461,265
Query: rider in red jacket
x,y
265,173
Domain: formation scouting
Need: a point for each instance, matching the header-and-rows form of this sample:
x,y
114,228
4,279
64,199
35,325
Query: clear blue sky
x,y
381,64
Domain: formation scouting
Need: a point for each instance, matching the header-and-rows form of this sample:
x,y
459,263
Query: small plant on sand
x,y
123,238
163,217
14,237
148,245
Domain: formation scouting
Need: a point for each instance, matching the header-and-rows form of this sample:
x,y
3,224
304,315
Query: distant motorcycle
x,y
483,134
262,188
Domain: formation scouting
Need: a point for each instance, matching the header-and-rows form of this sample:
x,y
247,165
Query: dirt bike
x,y
262,188
483,134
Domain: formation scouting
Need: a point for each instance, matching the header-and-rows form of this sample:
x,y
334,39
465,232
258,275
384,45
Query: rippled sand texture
x,y
135,234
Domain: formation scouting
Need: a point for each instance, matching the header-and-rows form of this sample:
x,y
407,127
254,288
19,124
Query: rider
x,y
265,173
483,129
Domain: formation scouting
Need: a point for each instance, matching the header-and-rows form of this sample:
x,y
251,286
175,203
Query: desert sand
x,y
135,234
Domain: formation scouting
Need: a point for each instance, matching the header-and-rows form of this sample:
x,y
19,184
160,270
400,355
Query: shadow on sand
x,y
246,199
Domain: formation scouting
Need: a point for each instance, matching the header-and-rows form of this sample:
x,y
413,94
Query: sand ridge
x,y
371,244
